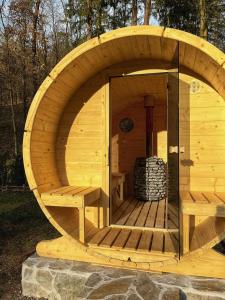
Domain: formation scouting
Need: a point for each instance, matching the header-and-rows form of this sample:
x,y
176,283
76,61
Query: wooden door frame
x,y
109,127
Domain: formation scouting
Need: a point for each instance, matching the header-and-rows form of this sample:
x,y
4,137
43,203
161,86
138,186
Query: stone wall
x,y
69,280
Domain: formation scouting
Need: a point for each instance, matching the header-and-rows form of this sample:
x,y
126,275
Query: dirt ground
x,y
22,225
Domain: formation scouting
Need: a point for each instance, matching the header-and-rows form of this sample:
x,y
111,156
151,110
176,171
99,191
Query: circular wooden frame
x,y
126,44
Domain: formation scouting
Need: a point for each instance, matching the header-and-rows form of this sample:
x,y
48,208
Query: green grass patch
x,y
12,200
22,226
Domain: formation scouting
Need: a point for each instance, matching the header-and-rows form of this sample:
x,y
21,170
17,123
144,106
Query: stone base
x,y
63,279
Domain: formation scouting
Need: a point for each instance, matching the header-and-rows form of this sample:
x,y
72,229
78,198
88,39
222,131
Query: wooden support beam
x,y
82,224
186,233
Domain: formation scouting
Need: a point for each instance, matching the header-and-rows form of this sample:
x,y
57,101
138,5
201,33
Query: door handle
x,y
182,149
173,149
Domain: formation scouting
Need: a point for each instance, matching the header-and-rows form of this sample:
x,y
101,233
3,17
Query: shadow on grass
x,y
22,225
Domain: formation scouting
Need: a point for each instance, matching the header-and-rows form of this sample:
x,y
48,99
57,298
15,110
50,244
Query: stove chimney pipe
x,y
149,107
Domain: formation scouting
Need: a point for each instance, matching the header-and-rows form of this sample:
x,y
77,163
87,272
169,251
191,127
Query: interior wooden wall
x,y
126,147
202,133
81,136
80,150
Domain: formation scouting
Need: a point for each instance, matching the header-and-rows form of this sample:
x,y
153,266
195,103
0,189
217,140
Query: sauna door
x,y
173,148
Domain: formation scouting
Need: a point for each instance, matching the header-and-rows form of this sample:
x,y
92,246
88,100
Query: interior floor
x,y
146,214
145,241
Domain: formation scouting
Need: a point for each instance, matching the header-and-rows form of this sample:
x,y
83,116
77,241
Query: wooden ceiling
x,y
129,89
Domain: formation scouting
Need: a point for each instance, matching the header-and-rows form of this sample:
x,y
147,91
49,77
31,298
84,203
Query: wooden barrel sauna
x,y
67,161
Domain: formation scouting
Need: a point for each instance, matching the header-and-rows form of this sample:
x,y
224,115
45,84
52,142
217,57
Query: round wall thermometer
x,y
126,125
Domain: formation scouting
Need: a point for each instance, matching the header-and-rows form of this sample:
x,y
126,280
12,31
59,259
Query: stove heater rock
x,y
150,180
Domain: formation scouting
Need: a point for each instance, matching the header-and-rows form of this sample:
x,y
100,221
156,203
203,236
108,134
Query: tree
x,y
35,20
89,18
180,14
147,11
204,17
215,14
7,33
134,12
203,20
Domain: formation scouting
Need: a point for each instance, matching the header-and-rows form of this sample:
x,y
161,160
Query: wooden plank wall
x,y
81,147
202,133
126,147
81,136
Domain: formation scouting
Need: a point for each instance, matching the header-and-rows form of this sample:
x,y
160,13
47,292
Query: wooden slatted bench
x,y
118,179
71,196
210,204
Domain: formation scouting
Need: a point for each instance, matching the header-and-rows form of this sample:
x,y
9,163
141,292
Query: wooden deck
x,y
139,241
146,214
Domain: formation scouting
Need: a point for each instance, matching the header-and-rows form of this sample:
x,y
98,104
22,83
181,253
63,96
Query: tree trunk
x,y
13,121
34,45
55,32
24,69
203,32
89,20
44,46
9,83
99,27
134,12
147,12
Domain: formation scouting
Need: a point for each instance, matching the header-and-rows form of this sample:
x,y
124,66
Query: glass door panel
x,y
173,151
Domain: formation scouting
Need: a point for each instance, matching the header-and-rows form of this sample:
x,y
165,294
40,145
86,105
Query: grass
x,y
10,201
22,225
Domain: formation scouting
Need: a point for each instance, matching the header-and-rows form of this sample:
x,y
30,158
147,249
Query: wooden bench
x,y
71,196
209,204
118,180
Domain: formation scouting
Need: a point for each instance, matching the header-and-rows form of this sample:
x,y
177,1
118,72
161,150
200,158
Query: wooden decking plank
x,y
176,235
221,196
110,237
133,240
150,221
91,233
199,198
62,190
121,210
160,217
170,224
121,239
57,189
173,207
169,246
173,218
175,239
145,241
143,214
134,215
157,241
74,190
99,236
212,198
127,213
186,196
83,191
